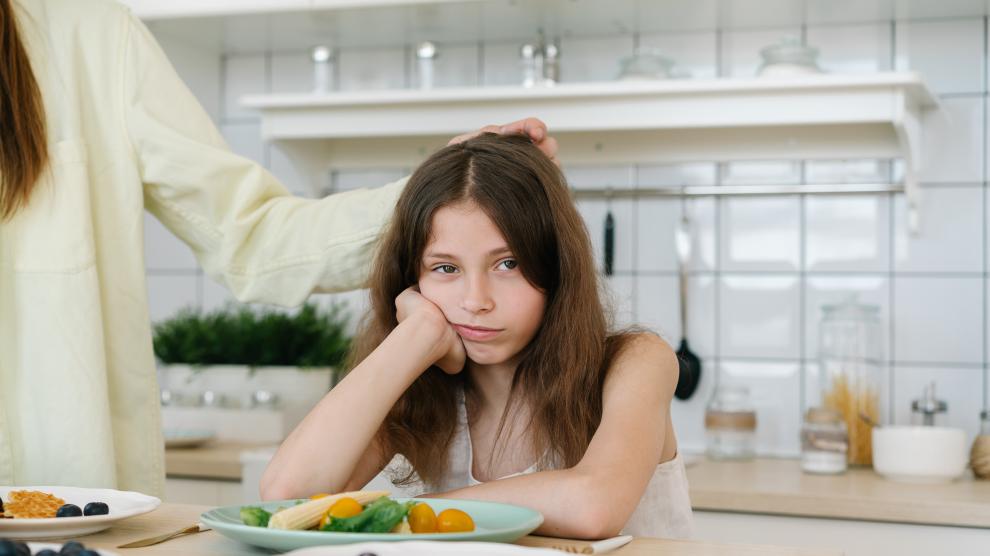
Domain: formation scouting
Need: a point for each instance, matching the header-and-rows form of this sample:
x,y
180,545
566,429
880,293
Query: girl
x,y
486,367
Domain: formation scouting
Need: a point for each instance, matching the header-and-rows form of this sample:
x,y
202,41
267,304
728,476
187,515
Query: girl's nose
x,y
477,297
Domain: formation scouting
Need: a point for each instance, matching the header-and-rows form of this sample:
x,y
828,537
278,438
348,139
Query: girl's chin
x,y
487,356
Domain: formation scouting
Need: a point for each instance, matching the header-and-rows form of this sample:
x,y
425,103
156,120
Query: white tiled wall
x,y
762,267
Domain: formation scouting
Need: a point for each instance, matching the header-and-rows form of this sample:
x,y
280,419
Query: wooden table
x,y
172,517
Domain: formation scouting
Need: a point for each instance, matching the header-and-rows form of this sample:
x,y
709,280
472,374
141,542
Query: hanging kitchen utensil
x,y
690,365
609,245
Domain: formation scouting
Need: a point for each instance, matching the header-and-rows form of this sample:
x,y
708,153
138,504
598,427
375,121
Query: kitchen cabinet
x,y
854,538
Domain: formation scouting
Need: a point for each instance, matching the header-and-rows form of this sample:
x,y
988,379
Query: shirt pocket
x,y
53,232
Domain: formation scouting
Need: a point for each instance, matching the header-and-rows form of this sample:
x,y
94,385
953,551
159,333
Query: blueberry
x,y
88,553
68,510
72,548
46,552
13,548
96,508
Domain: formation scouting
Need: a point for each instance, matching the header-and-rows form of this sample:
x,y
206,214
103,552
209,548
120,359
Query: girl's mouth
x,y
475,333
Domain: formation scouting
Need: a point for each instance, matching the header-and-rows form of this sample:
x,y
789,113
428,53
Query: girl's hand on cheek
x,y
410,304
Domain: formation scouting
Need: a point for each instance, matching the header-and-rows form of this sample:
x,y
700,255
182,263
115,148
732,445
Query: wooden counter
x,y
216,460
171,517
762,486
778,486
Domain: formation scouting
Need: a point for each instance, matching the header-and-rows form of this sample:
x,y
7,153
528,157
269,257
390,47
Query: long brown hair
x,y
23,137
562,371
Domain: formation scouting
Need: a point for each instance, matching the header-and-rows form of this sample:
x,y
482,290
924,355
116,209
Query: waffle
x,y
28,504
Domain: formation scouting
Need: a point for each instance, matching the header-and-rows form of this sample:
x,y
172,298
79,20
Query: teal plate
x,y
494,522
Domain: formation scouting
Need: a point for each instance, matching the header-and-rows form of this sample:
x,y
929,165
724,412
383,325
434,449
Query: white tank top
x,y
664,510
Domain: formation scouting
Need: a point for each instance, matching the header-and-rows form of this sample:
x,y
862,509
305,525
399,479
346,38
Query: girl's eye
x,y
509,264
445,268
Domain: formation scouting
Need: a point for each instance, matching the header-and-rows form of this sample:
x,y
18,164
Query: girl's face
x,y
468,271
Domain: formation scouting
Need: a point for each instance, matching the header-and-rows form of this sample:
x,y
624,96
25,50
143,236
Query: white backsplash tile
x,y
215,296
658,308
347,180
656,220
946,241
372,69
775,389
822,290
168,293
592,59
289,173
198,69
938,319
847,233
961,388
759,172
676,175
688,416
693,53
355,304
852,48
242,75
594,212
952,145
949,53
847,243
501,64
163,250
292,72
621,299
759,316
245,139
866,170
741,49
456,65
599,177
761,233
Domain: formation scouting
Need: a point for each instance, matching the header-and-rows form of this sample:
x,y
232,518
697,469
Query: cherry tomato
x,y
454,521
422,519
345,507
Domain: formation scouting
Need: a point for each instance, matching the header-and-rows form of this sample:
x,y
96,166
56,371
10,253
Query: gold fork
x,y
599,547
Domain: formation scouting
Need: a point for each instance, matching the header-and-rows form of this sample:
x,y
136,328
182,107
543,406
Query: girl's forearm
x,y
574,504
322,452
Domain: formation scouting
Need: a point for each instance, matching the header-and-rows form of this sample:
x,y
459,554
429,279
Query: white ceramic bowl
x,y
919,454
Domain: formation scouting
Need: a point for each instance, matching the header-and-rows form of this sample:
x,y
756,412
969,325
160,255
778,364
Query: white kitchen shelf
x,y
811,117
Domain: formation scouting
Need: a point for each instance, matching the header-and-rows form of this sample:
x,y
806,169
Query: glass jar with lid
x,y
824,442
850,356
788,58
730,424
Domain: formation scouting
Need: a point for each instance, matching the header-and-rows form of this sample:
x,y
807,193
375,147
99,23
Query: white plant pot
x,y
297,391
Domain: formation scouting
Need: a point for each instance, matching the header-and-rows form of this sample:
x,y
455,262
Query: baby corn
x,y
307,515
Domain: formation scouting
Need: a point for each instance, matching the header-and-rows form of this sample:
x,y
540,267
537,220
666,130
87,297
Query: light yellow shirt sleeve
x,y
244,227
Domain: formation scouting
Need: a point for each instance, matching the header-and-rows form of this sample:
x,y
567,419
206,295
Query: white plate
x,y
187,438
122,505
36,546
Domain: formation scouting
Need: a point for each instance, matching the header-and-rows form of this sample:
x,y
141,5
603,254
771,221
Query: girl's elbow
x,y
597,518
272,488
597,523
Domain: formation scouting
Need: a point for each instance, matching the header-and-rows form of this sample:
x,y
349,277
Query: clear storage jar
x,y
824,442
851,372
730,424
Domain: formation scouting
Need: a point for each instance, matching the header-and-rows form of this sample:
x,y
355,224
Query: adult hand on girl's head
x,y
534,128
450,348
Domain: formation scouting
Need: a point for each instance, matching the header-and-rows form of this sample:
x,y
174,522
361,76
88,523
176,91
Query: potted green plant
x,y
251,358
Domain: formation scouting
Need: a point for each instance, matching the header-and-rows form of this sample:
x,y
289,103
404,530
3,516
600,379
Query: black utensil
x,y
688,362
609,242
